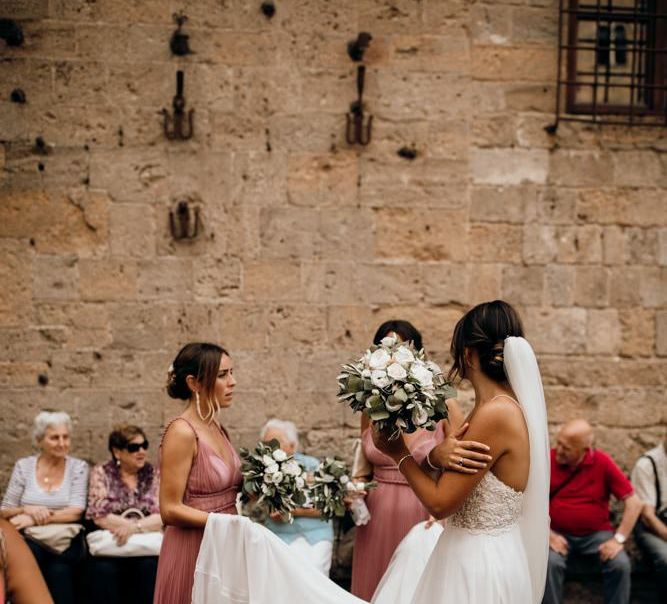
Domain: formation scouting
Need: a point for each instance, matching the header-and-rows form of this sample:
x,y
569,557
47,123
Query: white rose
x,y
379,359
434,367
404,356
267,460
396,372
279,455
366,373
344,479
291,468
419,416
265,489
388,341
422,375
379,378
272,469
277,478
300,482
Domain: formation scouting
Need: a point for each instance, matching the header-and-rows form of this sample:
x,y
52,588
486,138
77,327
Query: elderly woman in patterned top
x,y
126,481
50,488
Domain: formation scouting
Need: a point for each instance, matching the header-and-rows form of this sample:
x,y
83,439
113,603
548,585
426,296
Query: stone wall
x,y
308,243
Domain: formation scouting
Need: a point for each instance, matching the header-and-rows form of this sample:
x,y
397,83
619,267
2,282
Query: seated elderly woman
x,y
125,482
50,488
309,533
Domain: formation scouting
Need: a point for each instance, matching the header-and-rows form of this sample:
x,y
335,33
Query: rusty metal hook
x,y
174,125
358,129
181,223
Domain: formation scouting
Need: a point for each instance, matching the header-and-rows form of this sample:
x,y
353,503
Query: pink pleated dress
x,y
212,487
394,510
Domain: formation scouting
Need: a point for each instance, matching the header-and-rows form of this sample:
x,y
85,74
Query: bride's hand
x,y
392,447
465,456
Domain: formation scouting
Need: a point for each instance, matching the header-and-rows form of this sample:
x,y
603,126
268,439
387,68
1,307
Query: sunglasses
x,y
134,447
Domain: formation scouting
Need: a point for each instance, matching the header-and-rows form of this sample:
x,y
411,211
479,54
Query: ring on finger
x,y
461,461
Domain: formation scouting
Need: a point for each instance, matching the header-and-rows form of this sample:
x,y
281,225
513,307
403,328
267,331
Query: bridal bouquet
x,y
273,478
330,483
397,386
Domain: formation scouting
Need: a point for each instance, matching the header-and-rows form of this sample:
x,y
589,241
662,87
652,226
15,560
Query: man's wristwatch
x,y
620,538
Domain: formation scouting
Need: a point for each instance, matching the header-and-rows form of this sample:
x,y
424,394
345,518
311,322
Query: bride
x,y
494,548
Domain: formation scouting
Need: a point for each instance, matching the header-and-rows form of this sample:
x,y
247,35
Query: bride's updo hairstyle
x,y
200,360
485,328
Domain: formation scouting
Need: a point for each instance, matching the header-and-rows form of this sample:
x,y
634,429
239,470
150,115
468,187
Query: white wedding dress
x,y
494,550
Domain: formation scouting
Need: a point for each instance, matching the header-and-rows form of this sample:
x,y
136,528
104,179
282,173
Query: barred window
x,y
612,62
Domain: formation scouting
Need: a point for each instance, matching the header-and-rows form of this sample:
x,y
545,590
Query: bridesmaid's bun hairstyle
x,y
485,328
200,360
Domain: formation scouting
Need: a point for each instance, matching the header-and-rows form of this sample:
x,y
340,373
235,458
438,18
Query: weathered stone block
x,y
137,326
494,243
445,283
57,223
346,235
637,169
56,278
557,331
217,278
661,333
591,286
641,246
531,97
390,283
484,282
531,63
579,168
289,232
534,25
624,207
322,180
653,286
420,234
491,25
508,166
277,280
303,325
494,131
502,204
169,278
105,280
132,230
638,332
625,286
662,247
349,328
603,332
613,245
445,53
559,285
16,295
523,285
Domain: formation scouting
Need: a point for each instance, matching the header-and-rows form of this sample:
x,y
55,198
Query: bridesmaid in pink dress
x,y
393,506
199,468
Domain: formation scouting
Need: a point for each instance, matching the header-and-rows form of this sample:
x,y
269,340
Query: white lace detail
x,y
493,507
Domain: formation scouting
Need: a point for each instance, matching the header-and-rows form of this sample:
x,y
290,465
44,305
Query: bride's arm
x,y
492,425
178,451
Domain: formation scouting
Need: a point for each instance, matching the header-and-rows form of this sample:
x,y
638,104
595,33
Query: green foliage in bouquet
x,y
330,483
273,479
397,386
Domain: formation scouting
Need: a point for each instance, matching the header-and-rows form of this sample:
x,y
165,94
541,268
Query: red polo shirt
x,y
581,507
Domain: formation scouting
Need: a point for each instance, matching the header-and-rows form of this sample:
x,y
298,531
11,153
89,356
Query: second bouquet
x,y
273,479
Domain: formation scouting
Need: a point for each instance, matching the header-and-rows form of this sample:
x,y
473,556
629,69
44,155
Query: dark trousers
x,y
112,580
615,573
654,548
60,571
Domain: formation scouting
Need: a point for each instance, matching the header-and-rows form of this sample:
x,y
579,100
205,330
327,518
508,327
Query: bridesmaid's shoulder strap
x,y
507,397
182,419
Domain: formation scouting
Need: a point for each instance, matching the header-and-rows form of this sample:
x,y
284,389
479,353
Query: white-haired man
x,y
309,533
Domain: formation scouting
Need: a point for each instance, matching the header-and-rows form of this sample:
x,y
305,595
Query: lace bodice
x,y
492,507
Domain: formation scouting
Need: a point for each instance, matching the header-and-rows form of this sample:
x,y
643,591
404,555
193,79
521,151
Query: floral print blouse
x,y
108,494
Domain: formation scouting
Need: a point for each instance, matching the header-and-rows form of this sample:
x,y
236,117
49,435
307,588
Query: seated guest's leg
x,y
141,574
615,573
57,572
655,549
553,592
104,580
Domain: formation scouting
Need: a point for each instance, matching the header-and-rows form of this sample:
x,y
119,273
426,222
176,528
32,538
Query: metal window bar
x,y
612,62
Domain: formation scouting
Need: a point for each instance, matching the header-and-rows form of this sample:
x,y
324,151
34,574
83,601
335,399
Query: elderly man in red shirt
x,y
582,481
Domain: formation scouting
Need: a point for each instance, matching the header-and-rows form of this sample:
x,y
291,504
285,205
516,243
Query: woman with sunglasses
x,y
126,481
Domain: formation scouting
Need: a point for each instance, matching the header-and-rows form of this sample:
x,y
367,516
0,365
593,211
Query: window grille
x,y
612,62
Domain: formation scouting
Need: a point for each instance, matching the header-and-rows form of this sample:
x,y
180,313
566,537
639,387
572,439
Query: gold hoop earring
x,y
198,405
